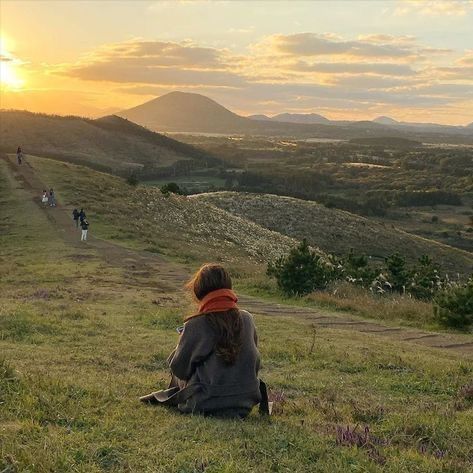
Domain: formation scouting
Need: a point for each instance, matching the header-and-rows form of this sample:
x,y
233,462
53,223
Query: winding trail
x,y
149,270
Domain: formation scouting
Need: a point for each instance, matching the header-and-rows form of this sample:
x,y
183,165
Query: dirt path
x,y
153,271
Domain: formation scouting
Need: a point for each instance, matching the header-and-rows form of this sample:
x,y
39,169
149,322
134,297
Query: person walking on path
x,y
75,216
19,155
44,198
81,215
52,198
85,227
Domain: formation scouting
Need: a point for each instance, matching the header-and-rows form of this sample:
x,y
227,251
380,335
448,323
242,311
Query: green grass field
x,y
81,338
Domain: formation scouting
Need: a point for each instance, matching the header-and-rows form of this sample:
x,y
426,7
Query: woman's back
x,y
213,385
216,362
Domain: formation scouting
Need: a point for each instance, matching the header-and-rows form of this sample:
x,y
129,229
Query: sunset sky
x,y
409,59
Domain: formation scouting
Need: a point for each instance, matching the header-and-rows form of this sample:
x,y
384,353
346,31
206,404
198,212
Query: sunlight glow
x,y
9,75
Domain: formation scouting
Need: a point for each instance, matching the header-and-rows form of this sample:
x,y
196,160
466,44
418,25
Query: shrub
x,y
398,275
425,280
171,187
301,271
453,307
356,269
132,179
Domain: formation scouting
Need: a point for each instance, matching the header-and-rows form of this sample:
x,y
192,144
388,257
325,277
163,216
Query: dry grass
x,y
173,225
394,308
336,231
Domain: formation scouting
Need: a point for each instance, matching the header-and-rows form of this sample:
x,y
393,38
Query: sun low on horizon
x,y
411,60
10,78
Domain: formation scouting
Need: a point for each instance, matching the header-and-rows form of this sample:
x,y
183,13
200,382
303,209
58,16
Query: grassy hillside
x,y
110,144
173,225
336,231
80,340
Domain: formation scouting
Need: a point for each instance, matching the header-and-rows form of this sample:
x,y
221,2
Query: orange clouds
x,y
374,73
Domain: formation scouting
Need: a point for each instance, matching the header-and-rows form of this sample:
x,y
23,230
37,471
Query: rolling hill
x,y
112,144
259,117
175,225
385,120
194,113
307,118
336,231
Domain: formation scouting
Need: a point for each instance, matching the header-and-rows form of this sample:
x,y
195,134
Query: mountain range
x,y
307,118
194,113
314,118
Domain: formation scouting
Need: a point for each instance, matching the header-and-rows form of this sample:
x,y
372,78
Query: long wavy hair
x,y
227,325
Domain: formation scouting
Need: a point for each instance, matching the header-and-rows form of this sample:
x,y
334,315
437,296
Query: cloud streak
x,y
434,7
310,44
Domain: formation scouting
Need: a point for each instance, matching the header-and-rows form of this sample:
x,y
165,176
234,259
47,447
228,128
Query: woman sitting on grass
x,y
216,362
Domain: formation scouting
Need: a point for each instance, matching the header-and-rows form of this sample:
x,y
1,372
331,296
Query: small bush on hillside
x,y
357,270
397,272
301,271
132,179
453,307
171,188
425,279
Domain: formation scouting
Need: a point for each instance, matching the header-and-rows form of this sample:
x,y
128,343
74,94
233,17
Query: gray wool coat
x,y
202,382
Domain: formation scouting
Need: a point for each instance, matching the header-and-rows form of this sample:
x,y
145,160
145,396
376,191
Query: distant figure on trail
x,y
81,215
52,198
44,197
84,224
19,155
216,362
75,216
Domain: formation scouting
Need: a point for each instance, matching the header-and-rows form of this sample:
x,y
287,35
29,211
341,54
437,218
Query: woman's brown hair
x,y
227,325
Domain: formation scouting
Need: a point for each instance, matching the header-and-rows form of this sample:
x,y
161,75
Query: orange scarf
x,y
220,300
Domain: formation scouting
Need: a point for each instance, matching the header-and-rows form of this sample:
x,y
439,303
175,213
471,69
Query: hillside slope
x,y
82,335
111,144
335,231
174,225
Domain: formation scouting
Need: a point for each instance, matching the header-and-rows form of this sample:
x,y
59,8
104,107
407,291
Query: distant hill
x,y
304,118
307,118
336,231
421,126
110,144
385,121
194,113
259,117
180,111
